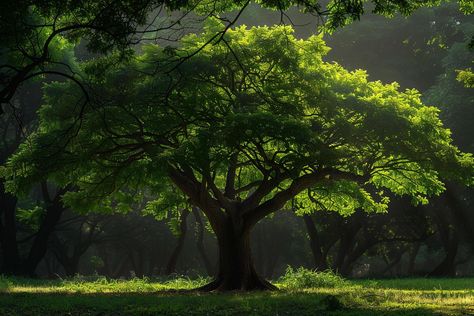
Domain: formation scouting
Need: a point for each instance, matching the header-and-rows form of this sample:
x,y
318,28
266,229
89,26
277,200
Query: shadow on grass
x,y
32,304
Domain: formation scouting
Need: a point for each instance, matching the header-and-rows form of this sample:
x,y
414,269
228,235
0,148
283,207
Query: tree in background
x,y
242,128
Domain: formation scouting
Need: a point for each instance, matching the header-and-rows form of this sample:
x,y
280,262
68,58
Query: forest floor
x,y
82,296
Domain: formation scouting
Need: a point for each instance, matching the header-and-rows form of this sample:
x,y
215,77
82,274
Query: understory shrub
x,y
303,278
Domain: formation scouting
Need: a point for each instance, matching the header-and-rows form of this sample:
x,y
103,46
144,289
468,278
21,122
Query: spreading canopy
x,y
256,119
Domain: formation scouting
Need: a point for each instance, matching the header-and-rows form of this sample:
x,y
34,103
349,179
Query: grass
x,y
301,292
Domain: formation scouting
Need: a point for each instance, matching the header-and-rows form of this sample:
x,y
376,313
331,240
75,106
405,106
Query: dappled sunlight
x,y
362,297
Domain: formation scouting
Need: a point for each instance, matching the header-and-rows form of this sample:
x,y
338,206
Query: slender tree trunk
x,y
258,237
315,244
449,239
236,268
120,269
40,244
392,263
447,267
70,264
183,227
11,258
412,258
200,242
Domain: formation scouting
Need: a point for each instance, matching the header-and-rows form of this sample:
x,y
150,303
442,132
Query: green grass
x,y
301,293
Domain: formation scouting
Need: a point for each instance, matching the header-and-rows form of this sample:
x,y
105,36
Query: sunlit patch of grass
x,y
98,285
301,293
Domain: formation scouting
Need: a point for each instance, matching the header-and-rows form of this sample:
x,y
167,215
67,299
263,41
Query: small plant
x,y
302,278
5,283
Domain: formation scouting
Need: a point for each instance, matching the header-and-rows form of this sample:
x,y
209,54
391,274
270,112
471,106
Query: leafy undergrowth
x,y
302,292
303,279
98,285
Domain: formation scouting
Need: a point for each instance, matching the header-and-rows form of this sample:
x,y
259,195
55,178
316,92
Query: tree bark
x,y
236,268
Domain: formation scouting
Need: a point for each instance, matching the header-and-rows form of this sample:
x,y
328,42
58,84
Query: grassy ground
x,y
298,295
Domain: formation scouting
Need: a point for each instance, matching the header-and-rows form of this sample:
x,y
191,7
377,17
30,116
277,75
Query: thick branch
x,y
229,191
303,182
198,195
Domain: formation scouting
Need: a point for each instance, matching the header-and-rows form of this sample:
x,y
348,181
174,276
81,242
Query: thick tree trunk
x,y
346,244
236,268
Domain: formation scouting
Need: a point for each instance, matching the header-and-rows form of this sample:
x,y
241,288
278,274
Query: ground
x,y
79,296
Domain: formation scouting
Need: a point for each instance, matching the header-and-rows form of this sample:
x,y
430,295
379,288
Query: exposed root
x,y
228,284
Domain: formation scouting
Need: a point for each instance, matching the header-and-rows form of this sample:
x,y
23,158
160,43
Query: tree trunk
x,y
412,258
315,244
40,244
447,267
449,239
183,227
200,242
236,268
345,247
70,264
11,257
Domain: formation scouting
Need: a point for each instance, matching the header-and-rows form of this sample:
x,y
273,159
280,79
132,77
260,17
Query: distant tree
x,y
24,228
406,50
73,238
452,93
243,127
338,242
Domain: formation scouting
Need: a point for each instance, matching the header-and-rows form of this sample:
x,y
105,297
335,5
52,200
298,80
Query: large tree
x,y
243,127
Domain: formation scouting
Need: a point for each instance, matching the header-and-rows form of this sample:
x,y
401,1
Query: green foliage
x,y
452,92
31,216
302,278
467,6
257,94
467,77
